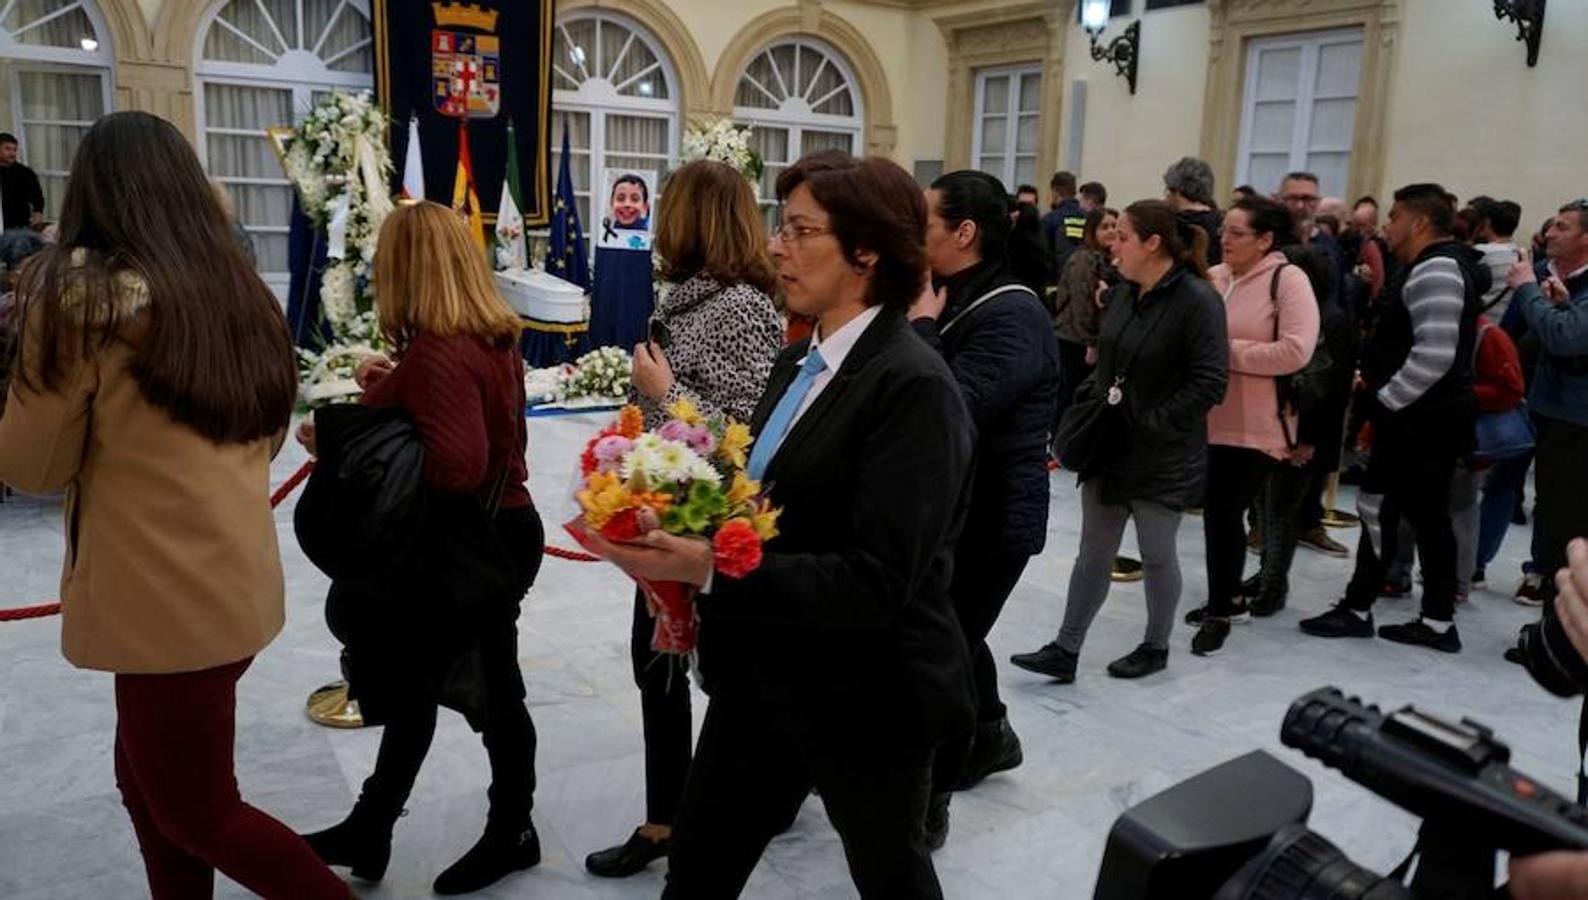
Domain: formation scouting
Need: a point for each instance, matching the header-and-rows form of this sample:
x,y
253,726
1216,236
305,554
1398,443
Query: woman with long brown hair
x,y
1163,361
713,340
155,383
459,379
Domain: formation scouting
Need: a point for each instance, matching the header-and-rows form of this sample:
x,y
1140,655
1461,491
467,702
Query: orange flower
x,y
631,422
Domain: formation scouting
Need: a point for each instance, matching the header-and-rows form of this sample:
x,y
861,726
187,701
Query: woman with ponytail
x,y
994,333
1163,360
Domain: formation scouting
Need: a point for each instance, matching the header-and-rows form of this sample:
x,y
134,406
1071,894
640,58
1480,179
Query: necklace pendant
x,y
1115,395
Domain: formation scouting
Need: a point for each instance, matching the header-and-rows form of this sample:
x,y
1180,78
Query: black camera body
x,y
1238,831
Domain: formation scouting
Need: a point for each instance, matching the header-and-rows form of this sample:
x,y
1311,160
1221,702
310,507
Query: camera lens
x,y
1551,659
1299,864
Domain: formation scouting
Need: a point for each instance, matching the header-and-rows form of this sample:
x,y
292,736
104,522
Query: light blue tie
x,y
777,424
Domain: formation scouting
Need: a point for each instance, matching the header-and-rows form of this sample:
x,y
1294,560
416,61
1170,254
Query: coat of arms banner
x,y
481,64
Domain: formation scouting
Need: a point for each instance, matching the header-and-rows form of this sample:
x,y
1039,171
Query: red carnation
x,y
737,548
623,526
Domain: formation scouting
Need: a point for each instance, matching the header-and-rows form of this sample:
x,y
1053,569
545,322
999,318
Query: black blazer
x,y
846,630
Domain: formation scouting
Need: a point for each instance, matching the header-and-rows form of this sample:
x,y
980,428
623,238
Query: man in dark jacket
x,y
994,334
21,197
1065,223
1418,369
1188,187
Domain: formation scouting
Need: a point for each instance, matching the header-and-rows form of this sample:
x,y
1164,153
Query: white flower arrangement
x,y
338,161
602,374
720,140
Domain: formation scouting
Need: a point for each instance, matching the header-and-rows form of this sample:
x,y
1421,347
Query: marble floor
x,y
1092,749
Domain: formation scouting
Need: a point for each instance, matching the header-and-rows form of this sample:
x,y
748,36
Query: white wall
x,y
1467,112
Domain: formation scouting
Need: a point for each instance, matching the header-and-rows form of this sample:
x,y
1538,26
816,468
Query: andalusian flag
x,y
509,222
465,199
413,164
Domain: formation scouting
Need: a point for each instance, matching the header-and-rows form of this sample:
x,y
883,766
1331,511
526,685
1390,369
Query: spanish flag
x,y
464,198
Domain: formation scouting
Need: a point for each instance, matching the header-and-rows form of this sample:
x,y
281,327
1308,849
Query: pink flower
x,y
674,430
700,440
610,449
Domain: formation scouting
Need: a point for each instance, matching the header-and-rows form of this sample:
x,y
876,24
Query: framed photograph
x,y
626,210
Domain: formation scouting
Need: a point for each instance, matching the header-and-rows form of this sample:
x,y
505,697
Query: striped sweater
x,y
1435,296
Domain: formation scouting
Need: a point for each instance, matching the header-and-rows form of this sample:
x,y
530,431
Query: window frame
x,y
1309,43
1016,72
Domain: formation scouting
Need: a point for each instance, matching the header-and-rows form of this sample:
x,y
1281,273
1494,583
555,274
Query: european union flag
x,y
568,259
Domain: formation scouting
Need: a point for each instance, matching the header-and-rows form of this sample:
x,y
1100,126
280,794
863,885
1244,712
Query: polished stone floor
x,y
1092,749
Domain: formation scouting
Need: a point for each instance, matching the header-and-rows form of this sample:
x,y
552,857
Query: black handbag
x,y
1304,390
1094,430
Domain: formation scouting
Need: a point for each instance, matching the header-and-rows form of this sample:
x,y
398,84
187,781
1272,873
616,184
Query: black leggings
x,y
1235,477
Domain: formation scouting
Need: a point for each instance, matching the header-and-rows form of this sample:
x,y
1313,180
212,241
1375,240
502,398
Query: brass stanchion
x,y
330,706
1336,518
1126,569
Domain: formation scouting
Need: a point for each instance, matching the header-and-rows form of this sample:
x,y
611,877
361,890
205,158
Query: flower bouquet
x,y
687,478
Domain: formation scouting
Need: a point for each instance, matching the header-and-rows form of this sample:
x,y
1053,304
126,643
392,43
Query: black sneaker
x,y
1339,622
1240,616
1142,661
1263,607
1515,655
1418,633
1052,660
1210,638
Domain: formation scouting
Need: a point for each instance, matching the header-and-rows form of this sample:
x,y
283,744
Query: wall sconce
x,y
1529,18
1125,50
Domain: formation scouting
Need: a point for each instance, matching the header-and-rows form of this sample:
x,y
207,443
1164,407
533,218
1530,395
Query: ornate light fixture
x,y
1529,18
1125,50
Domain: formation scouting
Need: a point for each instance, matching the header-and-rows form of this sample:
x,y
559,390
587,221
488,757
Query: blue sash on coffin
x,y
551,348
305,262
621,299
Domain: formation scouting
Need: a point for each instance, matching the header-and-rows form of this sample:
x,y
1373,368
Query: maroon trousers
x,y
174,745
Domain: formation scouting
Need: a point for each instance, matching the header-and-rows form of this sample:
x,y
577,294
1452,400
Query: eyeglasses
x,y
1301,198
793,234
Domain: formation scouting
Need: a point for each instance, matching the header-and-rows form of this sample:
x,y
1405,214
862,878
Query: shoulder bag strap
x,y
995,292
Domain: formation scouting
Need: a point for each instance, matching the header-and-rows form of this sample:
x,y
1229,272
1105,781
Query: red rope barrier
x,y
281,493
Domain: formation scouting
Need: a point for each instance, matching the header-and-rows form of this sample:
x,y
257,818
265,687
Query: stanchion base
x,y
1127,569
330,707
1339,518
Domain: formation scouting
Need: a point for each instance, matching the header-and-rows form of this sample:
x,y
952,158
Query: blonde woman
x,y
458,378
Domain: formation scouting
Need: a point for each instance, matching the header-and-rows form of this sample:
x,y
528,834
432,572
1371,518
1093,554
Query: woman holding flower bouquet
x,y
838,661
459,379
712,343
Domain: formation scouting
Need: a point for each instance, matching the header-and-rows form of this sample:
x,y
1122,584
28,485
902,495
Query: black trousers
x,y
1235,479
1561,482
506,728
664,707
750,777
1284,492
1408,476
984,577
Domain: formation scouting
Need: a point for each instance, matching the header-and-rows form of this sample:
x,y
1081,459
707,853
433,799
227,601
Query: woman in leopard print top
x,y
722,335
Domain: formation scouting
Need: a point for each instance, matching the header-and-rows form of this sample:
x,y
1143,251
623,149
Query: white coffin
x,y
538,294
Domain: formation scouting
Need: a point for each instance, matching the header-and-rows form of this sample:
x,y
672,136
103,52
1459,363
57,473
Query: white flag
x,y
413,164
510,230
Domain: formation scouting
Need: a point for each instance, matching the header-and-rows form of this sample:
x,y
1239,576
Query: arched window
x,y
262,64
798,96
615,91
55,60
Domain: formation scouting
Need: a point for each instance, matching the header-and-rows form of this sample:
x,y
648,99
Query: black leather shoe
x,y
937,821
1052,660
1263,606
627,858
1140,662
996,749
362,841
498,853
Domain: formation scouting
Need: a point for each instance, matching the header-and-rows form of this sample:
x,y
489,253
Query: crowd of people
x,y
1176,356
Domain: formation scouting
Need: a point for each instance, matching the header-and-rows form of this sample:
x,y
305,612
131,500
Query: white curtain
x,y
58,108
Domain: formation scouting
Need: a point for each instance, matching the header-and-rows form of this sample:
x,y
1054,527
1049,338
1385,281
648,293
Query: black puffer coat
x,y
1174,344
1004,357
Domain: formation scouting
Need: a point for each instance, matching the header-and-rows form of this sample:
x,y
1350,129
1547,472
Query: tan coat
x,y
171,557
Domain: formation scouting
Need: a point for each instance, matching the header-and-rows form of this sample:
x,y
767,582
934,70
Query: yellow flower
x,y
603,497
685,411
735,441
742,490
765,520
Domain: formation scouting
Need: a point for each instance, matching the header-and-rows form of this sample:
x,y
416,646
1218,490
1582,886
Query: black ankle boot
x,y
501,851
995,749
362,841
